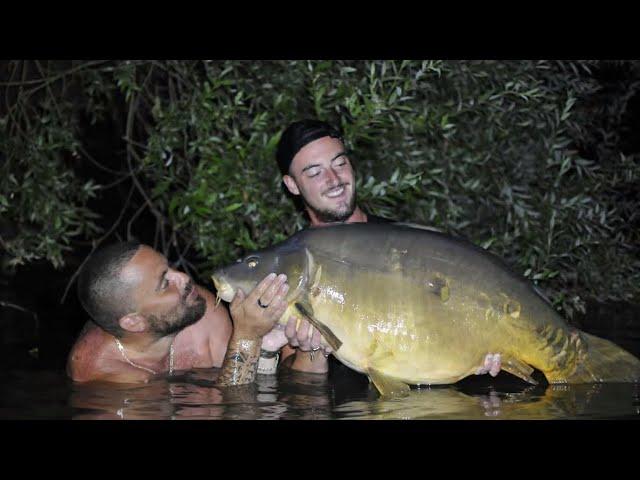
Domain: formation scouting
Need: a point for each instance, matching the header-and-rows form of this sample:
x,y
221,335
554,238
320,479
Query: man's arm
x,y
240,362
301,361
250,323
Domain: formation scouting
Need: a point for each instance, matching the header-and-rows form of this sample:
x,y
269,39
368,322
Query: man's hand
x,y
308,342
275,339
250,320
254,316
305,337
492,365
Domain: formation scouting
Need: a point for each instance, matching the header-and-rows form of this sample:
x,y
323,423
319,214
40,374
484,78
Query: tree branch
x,y
97,244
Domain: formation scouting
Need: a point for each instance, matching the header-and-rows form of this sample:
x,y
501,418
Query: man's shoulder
x,y
88,349
90,337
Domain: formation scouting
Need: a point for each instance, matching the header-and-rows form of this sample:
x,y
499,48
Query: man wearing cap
x,y
315,166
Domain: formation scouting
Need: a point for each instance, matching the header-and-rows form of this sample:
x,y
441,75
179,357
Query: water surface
x,y
31,390
193,395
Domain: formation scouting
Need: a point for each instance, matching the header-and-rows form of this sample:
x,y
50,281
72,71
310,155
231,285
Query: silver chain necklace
x,y
124,355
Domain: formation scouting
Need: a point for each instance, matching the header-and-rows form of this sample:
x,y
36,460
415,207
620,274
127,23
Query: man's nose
x,y
179,278
332,177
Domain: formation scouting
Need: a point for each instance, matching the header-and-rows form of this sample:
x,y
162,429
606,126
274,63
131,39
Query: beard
x,y
181,317
333,216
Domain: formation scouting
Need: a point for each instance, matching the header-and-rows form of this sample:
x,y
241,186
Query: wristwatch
x,y
268,362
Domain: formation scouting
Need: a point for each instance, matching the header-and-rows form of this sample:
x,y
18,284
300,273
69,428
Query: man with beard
x,y
315,166
149,318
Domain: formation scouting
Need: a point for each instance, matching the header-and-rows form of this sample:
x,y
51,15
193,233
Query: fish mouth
x,y
224,291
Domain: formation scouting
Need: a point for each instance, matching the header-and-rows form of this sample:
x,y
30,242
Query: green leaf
x,y
233,207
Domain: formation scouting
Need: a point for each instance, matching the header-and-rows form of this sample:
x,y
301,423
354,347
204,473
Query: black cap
x,y
299,134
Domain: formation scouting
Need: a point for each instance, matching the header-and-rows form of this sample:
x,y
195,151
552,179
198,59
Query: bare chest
x,y
190,352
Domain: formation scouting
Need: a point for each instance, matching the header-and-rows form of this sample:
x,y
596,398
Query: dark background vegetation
x,y
537,161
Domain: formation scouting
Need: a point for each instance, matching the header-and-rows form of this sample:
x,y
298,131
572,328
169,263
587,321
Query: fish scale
x,y
407,305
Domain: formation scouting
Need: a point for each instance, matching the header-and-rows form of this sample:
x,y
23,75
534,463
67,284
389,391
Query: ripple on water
x,y
193,395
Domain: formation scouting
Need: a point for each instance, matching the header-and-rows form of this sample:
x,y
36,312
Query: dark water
x,y
31,390
193,395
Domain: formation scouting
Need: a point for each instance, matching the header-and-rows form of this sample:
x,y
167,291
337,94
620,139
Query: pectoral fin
x,y
518,368
307,311
309,277
387,386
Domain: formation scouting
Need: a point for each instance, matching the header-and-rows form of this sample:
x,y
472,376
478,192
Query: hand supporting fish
x,y
308,340
305,337
252,322
492,365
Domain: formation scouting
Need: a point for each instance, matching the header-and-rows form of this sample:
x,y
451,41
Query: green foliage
x,y
42,201
482,149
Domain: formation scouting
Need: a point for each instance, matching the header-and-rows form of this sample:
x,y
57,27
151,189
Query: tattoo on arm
x,y
240,362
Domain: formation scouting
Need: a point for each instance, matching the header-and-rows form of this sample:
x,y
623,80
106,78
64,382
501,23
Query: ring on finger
x,y
260,304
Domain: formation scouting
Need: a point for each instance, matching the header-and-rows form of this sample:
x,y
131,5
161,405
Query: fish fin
x,y
316,278
305,308
599,360
387,386
308,275
518,368
310,272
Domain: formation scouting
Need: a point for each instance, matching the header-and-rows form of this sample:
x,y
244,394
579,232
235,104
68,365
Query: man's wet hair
x,y
297,135
101,291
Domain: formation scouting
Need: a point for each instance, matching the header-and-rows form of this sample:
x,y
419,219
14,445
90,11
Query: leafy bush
x,y
483,149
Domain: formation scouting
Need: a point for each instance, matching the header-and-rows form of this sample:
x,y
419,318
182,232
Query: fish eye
x,y
252,262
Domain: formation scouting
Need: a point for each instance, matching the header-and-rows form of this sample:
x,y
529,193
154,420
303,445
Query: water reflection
x,y
292,395
194,395
533,403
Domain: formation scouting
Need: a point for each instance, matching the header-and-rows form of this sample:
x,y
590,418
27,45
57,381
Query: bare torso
x,y
95,355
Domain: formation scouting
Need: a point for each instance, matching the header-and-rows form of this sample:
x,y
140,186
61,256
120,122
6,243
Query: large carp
x,y
407,305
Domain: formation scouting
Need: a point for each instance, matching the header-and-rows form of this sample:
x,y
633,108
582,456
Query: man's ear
x,y
291,184
134,322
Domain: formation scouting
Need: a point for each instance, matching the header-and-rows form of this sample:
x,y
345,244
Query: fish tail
x,y
598,361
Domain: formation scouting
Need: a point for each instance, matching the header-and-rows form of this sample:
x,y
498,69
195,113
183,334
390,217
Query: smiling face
x,y
322,173
166,297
